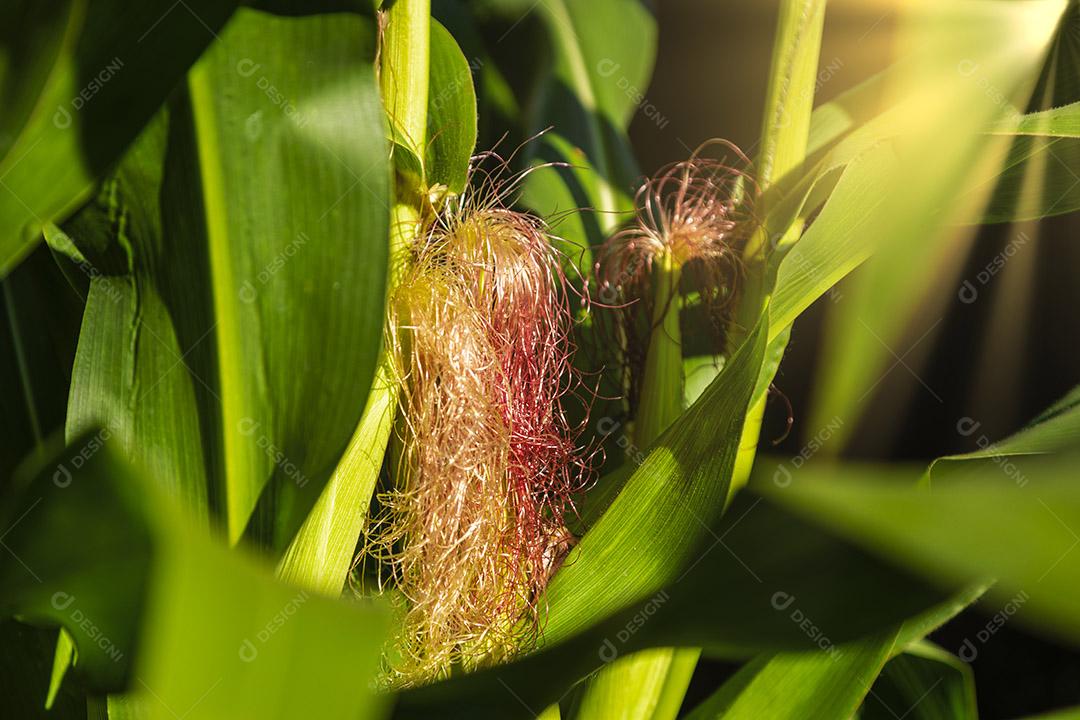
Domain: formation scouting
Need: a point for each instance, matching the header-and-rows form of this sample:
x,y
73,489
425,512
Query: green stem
x,y
785,130
662,385
403,76
789,100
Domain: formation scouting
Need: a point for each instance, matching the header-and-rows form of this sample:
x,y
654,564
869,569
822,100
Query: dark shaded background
x,y
1000,359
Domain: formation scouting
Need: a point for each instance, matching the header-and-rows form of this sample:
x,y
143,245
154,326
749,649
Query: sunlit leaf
x,y
292,194
829,683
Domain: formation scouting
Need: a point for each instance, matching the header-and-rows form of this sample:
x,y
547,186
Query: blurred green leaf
x,y
79,81
134,595
273,650
1038,178
1064,714
1016,523
566,192
94,587
588,94
39,322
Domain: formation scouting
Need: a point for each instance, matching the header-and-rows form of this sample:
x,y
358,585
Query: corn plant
x,y
354,370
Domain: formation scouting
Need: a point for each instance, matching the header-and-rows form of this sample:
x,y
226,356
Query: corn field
x,y
356,366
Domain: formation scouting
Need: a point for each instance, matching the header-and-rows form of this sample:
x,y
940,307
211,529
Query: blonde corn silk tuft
x,y
472,527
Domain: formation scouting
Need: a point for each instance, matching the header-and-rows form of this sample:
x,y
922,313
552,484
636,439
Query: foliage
x,y
223,201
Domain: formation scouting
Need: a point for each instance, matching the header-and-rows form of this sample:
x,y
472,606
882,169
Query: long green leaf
x,y
647,537
206,344
293,203
79,81
836,243
833,674
1018,525
129,375
323,551
1054,430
